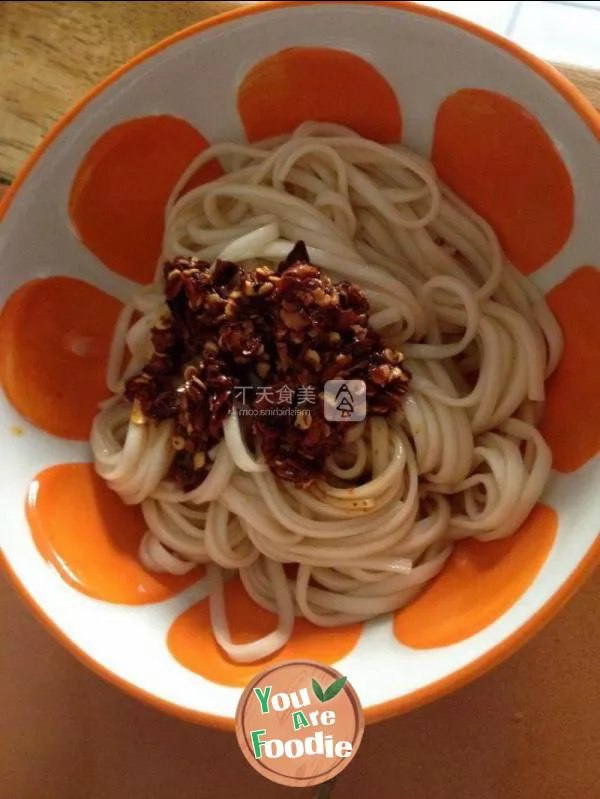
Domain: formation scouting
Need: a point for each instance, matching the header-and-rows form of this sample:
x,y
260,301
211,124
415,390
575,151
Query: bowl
x,y
504,130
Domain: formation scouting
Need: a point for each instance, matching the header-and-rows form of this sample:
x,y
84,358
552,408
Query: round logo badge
x,y
299,723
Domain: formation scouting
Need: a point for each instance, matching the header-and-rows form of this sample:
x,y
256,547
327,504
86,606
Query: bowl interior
x,y
81,230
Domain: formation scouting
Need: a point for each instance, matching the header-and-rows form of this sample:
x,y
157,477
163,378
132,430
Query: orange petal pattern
x,y
500,160
319,84
118,196
55,337
91,538
571,423
479,583
193,645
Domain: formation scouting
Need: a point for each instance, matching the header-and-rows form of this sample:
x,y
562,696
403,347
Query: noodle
x,y
460,458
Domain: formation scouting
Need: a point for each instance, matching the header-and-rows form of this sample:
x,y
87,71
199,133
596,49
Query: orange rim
x,y
584,109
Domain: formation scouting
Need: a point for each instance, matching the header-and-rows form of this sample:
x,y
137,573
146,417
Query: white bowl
x,y
507,131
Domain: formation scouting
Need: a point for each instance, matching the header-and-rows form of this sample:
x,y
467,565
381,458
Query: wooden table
x,y
52,53
529,729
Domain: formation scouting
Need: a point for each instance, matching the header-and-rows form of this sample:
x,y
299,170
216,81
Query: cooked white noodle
x,y
460,458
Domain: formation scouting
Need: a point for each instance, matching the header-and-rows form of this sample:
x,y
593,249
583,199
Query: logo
x,y
299,723
345,400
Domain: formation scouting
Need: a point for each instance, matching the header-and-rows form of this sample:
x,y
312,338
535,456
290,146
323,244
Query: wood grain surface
x,y
528,729
52,53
